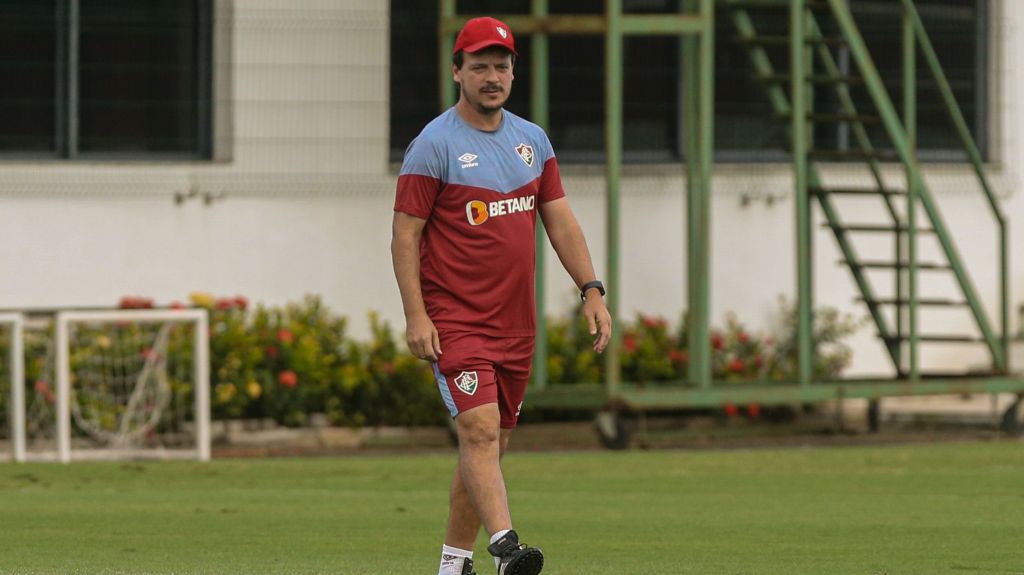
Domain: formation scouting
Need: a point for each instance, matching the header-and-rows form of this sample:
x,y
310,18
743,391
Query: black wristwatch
x,y
590,285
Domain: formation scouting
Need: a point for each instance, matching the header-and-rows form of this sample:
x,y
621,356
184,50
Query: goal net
x,y
122,384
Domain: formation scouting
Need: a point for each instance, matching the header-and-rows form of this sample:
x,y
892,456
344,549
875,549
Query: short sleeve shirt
x,y
479,192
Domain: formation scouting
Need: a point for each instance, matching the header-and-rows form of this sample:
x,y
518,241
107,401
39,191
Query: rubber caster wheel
x,y
613,430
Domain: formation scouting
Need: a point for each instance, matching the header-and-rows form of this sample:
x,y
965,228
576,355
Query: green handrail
x,y
897,134
957,116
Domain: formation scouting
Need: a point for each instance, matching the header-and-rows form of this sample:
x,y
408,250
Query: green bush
x,y
287,363
653,352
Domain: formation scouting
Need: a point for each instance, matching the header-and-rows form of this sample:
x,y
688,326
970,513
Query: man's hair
x,y
458,58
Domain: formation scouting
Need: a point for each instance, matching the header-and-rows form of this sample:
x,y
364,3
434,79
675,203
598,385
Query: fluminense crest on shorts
x,y
526,153
466,382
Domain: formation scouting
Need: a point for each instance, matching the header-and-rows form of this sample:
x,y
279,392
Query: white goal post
x,y
16,358
200,366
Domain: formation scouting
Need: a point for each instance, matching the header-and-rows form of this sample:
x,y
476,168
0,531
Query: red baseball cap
x,y
480,33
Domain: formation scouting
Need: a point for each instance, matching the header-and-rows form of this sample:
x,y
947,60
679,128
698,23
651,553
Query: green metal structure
x,y
811,64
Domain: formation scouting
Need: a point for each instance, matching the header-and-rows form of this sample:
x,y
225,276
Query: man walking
x,y
468,195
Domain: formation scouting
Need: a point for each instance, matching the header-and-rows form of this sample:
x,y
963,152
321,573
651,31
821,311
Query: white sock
x,y
495,537
452,559
499,535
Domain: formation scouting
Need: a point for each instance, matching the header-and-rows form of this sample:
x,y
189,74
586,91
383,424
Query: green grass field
x,y
953,508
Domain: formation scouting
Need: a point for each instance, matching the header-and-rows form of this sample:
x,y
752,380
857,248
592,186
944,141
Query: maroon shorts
x,y
477,369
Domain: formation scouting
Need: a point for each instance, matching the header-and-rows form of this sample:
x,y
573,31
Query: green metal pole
x,y
707,151
445,46
910,120
613,151
539,112
696,336
805,358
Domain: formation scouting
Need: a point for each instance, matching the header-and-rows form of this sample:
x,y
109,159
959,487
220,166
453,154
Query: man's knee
x,y
478,427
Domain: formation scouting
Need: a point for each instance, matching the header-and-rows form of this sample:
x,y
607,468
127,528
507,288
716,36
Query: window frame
x,y
67,25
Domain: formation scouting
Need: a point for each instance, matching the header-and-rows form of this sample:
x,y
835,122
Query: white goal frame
x,y
16,323
201,370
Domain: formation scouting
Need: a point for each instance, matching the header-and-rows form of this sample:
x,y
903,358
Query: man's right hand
x,y
421,335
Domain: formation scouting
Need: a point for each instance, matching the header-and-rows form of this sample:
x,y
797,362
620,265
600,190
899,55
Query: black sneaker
x,y
516,558
467,567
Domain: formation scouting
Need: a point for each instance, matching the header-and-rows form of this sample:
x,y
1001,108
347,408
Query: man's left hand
x,y
599,320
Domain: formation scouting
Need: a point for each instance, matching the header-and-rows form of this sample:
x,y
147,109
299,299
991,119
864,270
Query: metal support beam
x,y
613,165
910,121
799,91
445,46
706,114
539,113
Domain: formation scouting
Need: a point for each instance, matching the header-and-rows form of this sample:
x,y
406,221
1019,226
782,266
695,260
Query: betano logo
x,y
478,212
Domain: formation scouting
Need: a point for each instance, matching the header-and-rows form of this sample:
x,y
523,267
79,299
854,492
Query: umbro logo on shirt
x,y
468,160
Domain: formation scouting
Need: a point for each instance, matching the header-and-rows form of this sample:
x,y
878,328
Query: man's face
x,y
486,79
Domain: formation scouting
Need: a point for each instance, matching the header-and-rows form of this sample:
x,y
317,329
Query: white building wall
x,y
301,196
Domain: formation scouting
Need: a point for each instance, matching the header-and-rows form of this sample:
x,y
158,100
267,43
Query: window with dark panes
x,y
106,78
746,128
746,131
28,71
576,80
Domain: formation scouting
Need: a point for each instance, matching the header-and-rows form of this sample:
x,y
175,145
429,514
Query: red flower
x,y
731,410
177,305
241,302
652,322
135,302
387,367
225,303
288,379
754,410
676,356
284,336
629,342
147,352
717,341
271,352
43,389
737,365
742,337
758,362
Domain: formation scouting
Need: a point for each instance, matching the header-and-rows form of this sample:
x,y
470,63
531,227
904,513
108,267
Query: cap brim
x,y
474,48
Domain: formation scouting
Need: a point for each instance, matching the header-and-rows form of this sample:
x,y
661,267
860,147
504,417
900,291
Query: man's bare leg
x,y
478,480
463,522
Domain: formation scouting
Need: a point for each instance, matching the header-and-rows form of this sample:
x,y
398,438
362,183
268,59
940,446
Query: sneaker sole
x,y
529,563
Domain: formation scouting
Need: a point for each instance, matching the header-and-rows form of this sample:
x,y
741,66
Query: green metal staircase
x,y
813,64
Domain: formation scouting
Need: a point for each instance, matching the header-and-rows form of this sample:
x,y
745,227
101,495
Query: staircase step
x,y
930,302
851,155
784,41
856,191
836,118
896,265
874,228
950,338
816,79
